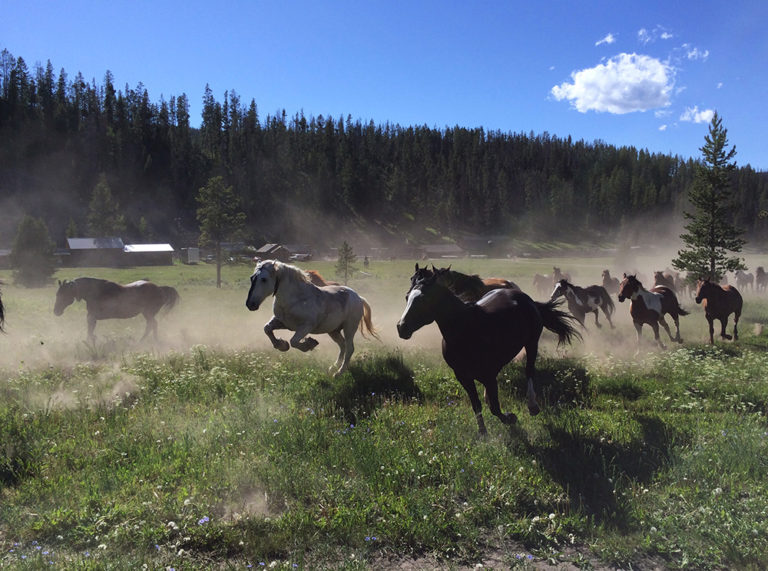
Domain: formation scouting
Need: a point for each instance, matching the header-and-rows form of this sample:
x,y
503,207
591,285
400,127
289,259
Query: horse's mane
x,y
290,273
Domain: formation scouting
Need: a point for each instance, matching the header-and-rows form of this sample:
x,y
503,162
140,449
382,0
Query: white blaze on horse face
x,y
414,295
556,292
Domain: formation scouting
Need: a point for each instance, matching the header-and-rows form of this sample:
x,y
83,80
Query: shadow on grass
x,y
370,380
594,471
561,382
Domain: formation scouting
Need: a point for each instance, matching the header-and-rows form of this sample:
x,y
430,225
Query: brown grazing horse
x,y
318,280
610,283
583,300
649,307
468,288
719,302
479,339
761,279
744,280
109,300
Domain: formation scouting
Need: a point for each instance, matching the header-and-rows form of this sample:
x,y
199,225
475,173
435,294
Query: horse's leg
x,y
639,330
468,383
531,351
597,322
151,326
299,342
350,328
271,325
91,326
492,400
607,315
676,319
663,323
655,327
736,316
340,341
711,321
723,325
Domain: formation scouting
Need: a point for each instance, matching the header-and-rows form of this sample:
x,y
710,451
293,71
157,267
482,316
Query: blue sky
x,y
647,74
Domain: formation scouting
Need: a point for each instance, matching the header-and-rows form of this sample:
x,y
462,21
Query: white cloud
x,y
720,85
645,36
662,127
693,115
695,53
608,39
623,84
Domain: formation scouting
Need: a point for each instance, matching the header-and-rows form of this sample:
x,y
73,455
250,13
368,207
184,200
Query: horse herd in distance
x,y
484,322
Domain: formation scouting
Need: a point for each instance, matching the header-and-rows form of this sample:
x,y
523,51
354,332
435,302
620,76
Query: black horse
x,y
2,313
479,339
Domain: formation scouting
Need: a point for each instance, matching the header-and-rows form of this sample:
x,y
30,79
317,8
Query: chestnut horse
x,y
649,307
583,300
719,302
318,280
468,288
109,300
479,339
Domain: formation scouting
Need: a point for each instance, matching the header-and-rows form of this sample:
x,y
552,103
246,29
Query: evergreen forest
x,y
306,178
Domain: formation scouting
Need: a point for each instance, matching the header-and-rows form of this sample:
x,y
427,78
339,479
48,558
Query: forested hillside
x,y
300,178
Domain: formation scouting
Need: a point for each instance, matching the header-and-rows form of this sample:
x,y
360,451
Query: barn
x,y
95,252
148,255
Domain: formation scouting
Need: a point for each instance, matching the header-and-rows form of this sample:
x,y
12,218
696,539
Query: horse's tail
x,y
170,297
681,311
557,321
366,323
610,307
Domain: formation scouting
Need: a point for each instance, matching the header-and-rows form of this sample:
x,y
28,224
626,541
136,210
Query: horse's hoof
x,y
727,337
509,418
282,345
309,344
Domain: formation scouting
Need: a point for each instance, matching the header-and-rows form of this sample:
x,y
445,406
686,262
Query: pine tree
x,y
345,264
32,253
711,235
219,216
104,218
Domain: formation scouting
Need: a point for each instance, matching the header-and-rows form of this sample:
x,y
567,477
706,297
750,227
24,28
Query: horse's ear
x,y
625,274
59,283
417,266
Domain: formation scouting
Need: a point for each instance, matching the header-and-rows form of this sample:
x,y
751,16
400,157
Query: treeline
x,y
59,134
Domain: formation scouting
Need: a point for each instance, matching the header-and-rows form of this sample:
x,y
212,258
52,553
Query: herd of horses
x,y
484,322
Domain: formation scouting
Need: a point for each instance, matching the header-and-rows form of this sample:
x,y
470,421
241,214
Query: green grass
x,y
199,452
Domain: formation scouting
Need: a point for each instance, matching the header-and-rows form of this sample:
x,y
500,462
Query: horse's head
x,y
419,274
628,287
606,274
65,296
703,289
264,281
420,306
561,288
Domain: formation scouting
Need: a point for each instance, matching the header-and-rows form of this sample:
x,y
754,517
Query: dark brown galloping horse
x,y
110,300
2,313
479,339
719,302
468,288
649,307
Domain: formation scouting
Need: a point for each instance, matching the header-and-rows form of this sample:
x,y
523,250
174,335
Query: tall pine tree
x,y
710,233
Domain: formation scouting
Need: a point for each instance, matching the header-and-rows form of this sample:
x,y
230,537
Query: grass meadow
x,y
209,449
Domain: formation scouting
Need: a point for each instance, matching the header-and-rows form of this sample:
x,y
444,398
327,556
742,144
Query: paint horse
x,y
467,287
302,307
479,339
585,300
719,302
610,283
649,307
109,300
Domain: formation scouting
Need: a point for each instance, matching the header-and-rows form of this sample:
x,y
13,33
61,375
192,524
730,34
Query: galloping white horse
x,y
304,308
